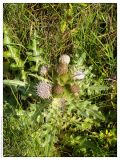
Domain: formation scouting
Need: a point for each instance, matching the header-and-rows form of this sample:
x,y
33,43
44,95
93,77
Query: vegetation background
x,y
36,35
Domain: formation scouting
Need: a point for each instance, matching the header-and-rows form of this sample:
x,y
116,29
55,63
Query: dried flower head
x,y
44,90
64,59
43,70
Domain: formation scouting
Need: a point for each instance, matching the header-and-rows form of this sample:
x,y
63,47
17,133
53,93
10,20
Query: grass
x,y
38,34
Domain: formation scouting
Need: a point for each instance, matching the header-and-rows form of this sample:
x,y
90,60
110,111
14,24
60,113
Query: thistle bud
x,y
64,59
62,69
58,89
43,70
75,89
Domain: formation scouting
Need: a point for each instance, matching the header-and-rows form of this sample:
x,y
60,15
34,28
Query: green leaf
x,y
82,59
14,83
97,88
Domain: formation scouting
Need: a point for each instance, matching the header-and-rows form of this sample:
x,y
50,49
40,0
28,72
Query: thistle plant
x,y
44,89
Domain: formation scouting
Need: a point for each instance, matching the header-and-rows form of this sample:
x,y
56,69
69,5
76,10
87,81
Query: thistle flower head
x,y
78,75
43,70
44,90
64,59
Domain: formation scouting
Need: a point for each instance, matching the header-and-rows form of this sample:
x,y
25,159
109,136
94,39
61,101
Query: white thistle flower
x,y
44,90
64,59
78,75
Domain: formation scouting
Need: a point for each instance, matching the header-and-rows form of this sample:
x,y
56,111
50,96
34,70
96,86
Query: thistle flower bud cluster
x,y
45,90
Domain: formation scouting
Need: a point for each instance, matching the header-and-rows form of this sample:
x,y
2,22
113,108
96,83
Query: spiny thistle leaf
x,y
14,83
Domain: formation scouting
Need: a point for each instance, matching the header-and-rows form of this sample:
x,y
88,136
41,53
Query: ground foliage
x,y
36,35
